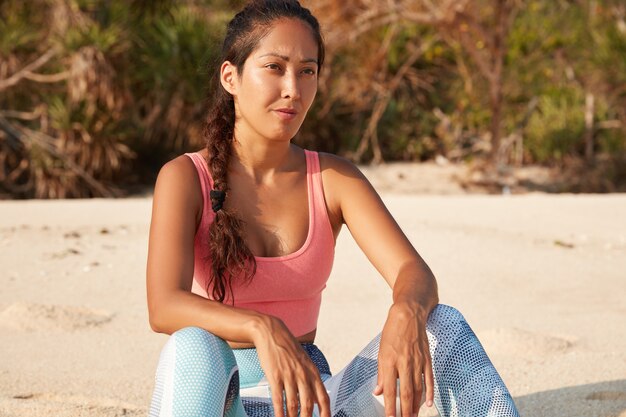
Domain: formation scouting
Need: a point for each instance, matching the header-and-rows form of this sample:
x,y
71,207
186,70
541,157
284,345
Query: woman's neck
x,y
261,160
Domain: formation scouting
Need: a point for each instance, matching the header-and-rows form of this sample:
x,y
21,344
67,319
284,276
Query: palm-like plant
x,y
96,86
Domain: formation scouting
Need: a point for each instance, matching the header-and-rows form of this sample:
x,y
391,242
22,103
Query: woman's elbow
x,y
154,324
155,314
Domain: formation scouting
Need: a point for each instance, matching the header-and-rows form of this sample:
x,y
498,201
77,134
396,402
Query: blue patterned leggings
x,y
200,375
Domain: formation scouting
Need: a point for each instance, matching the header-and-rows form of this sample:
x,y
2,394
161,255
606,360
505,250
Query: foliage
x,y
557,126
96,95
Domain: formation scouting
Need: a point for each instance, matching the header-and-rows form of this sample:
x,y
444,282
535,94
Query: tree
x,y
481,27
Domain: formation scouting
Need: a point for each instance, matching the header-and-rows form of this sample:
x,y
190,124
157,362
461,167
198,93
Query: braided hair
x,y
230,256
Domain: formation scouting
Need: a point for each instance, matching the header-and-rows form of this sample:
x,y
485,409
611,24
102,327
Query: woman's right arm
x,y
176,211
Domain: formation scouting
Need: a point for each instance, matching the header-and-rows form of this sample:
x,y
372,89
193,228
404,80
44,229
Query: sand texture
x,y
540,278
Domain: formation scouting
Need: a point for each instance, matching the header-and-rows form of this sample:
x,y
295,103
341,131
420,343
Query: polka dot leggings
x,y
200,375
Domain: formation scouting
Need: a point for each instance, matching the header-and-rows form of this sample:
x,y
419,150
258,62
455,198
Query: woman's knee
x,y
445,318
199,375
196,342
449,312
193,334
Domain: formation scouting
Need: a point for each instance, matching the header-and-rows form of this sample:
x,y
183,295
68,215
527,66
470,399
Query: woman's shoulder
x,y
179,170
338,168
342,181
178,185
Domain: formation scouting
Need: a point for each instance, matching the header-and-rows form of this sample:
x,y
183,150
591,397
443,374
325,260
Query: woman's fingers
x,y
429,378
379,381
389,391
295,392
411,384
407,393
303,391
323,401
291,398
277,399
404,351
425,385
306,401
313,392
417,381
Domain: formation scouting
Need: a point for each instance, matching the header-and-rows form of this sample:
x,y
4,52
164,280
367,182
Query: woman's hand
x,y
404,354
288,368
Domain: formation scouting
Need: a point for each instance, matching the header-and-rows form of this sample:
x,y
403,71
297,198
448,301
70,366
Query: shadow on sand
x,y
603,399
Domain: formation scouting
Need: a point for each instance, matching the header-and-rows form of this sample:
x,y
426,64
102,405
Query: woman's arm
x,y
376,232
176,212
351,195
403,350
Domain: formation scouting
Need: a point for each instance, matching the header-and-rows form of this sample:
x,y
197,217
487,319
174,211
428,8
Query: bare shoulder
x,y
178,184
180,172
343,183
181,167
338,167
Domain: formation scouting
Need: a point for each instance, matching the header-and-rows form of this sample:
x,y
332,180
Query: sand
x,y
540,278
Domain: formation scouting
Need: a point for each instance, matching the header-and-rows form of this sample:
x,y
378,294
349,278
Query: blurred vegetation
x,y
96,95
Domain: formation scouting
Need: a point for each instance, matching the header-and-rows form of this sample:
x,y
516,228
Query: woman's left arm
x,y
403,352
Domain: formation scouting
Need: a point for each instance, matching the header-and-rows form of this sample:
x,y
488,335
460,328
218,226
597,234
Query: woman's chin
x,y
282,135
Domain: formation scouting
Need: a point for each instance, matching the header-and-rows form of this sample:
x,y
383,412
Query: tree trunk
x,y
589,110
495,81
496,117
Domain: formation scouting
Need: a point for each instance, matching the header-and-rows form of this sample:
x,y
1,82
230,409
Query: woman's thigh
x,y
466,382
197,375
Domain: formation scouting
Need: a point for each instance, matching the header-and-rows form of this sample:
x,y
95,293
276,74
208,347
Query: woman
x,y
242,243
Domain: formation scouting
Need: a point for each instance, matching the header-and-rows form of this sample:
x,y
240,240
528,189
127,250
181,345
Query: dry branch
x,y
27,70
47,78
27,136
382,101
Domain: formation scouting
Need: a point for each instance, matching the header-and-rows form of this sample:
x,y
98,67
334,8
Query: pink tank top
x,y
288,287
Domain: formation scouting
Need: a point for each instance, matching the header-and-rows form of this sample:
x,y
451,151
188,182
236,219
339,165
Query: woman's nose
x,y
291,86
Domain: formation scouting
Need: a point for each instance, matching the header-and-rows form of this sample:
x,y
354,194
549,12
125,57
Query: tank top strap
x,y
206,182
314,181
321,218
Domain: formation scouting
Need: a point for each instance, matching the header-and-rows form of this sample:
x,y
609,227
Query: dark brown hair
x,y
230,255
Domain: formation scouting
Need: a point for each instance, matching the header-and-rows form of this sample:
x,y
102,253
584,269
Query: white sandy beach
x,y
540,278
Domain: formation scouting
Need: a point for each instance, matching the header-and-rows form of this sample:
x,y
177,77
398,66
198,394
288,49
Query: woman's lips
x,y
286,114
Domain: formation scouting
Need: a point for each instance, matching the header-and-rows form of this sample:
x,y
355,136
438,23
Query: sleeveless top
x,y
288,287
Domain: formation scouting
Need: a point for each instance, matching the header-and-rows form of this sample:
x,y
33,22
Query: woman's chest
x,y
276,220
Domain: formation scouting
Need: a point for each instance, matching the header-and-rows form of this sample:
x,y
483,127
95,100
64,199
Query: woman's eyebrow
x,y
286,58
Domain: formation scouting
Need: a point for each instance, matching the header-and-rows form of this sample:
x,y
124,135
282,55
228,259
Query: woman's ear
x,y
228,77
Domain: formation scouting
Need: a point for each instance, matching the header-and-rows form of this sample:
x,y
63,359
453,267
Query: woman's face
x,y
278,83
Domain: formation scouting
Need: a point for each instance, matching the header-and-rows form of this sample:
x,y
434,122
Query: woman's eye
x,y
309,71
272,66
